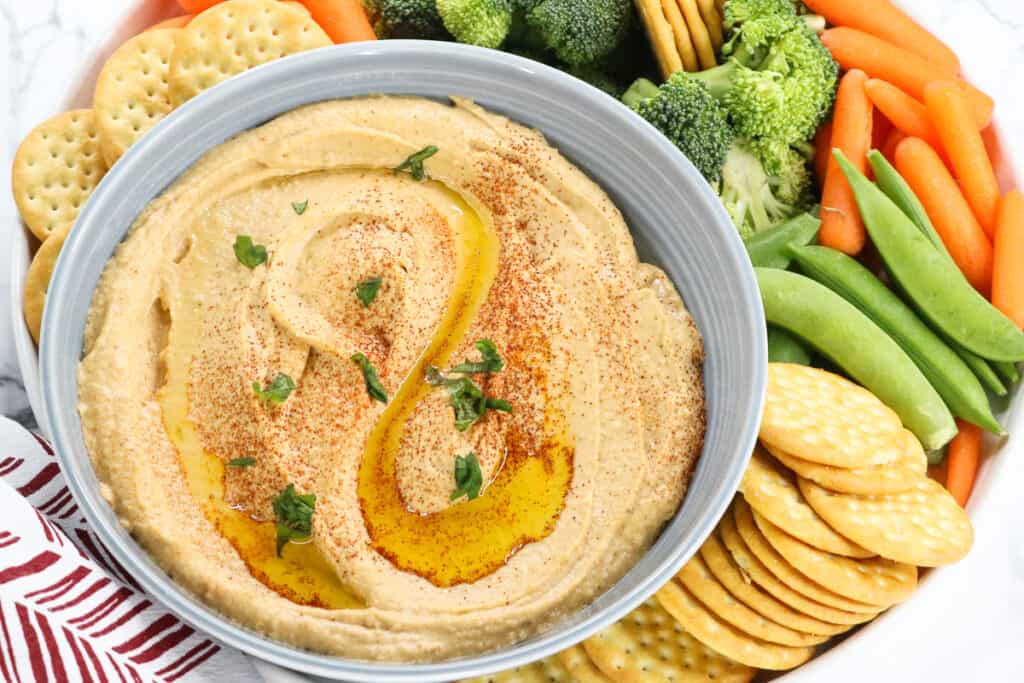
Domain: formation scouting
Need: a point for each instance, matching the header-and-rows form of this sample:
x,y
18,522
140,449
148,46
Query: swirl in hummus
x,y
501,241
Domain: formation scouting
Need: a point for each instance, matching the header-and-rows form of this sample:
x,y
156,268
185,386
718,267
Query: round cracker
x,y
724,568
699,581
234,36
132,92
724,638
681,35
771,489
760,574
659,31
649,646
822,417
547,670
753,536
698,33
56,168
37,281
879,480
875,581
923,526
577,662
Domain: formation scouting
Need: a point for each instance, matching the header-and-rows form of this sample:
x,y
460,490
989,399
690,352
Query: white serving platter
x,y
905,642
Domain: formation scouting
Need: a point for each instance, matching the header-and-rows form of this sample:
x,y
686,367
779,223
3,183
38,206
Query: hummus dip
x,y
521,423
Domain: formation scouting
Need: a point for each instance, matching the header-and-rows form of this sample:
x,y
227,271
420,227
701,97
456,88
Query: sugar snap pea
x,y
981,368
1008,371
935,285
767,248
948,374
896,188
837,329
785,348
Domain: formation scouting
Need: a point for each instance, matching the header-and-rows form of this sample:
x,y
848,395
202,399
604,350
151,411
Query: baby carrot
x,y
947,108
1007,273
906,113
841,226
822,151
881,18
173,22
962,461
343,20
928,177
906,70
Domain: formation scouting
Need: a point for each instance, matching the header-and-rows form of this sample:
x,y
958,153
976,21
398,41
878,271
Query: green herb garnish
x,y
468,479
366,291
300,207
491,360
414,164
242,462
248,254
466,398
373,386
294,513
279,389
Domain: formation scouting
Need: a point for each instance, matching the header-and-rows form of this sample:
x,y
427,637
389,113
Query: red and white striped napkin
x,y
68,610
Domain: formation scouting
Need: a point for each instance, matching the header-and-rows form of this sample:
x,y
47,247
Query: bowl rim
x,y
178,599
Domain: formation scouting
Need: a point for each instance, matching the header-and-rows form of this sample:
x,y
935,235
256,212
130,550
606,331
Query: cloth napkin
x,y
68,610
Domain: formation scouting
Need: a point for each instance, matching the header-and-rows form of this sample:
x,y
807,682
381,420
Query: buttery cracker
x,y
55,169
234,36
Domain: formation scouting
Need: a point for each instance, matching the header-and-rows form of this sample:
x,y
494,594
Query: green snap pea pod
x,y
946,372
835,327
1008,371
896,188
785,348
981,368
768,248
936,286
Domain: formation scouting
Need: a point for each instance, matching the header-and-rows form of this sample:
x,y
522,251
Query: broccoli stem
x,y
641,91
718,79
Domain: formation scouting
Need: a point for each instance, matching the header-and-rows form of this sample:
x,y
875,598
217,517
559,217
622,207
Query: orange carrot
x,y
841,226
1007,273
344,20
906,113
173,22
947,108
896,136
962,461
822,151
906,70
882,19
928,177
197,6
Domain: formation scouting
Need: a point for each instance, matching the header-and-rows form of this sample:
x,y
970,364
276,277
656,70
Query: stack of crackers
x,y
61,161
834,517
685,34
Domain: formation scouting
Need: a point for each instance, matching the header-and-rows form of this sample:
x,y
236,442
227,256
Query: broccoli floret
x,y
756,199
580,31
411,19
477,22
686,113
779,84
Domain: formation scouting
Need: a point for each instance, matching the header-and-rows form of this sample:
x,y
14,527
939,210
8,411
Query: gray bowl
x,y
677,222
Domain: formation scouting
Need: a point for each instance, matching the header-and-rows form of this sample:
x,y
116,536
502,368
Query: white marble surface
x,y
44,43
